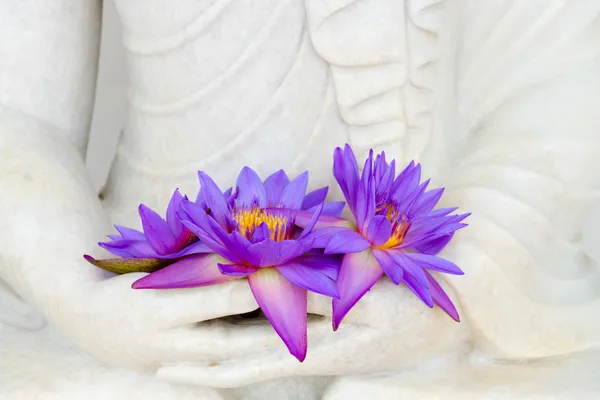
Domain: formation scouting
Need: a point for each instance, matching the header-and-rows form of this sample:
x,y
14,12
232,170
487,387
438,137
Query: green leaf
x,y
128,265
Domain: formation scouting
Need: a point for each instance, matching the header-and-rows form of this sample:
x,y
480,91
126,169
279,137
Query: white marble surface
x,y
499,101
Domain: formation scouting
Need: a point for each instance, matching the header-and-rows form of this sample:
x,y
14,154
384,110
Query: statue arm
x,y
47,78
528,171
50,213
48,64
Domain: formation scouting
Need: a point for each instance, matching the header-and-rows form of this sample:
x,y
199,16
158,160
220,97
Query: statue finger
x,y
230,374
179,307
328,352
216,341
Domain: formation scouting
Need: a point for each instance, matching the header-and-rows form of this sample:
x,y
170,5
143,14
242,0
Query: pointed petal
x,y
215,201
358,273
407,181
423,292
130,248
412,199
285,306
314,198
293,194
130,234
121,248
230,197
428,200
320,237
346,241
409,266
274,186
212,242
384,186
311,224
389,266
345,171
413,276
213,236
414,241
441,298
237,270
434,263
173,222
417,240
194,248
238,244
379,230
303,218
194,213
269,253
261,233
360,207
440,212
127,265
450,228
333,208
251,189
329,265
364,208
312,279
435,245
193,271
404,174
423,230
157,231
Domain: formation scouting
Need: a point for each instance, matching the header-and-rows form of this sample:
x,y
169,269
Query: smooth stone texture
x,y
499,101
573,377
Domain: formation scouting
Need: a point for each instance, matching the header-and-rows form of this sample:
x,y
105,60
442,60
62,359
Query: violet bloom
x,y
276,183
397,232
254,236
161,243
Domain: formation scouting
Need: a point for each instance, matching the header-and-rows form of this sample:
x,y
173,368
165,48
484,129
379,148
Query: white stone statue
x,y
499,100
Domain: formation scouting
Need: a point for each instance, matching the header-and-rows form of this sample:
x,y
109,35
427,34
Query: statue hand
x,y
146,329
50,218
367,341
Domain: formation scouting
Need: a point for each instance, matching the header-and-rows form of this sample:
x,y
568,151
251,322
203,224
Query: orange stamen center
x,y
248,220
400,225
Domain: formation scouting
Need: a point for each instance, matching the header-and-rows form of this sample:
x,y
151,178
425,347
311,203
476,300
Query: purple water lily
x,y
164,241
161,243
397,232
253,235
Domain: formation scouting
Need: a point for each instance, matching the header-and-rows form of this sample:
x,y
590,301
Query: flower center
x,y
280,226
400,224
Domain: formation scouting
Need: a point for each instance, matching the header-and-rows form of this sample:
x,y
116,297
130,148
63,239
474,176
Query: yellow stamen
x,y
400,225
248,220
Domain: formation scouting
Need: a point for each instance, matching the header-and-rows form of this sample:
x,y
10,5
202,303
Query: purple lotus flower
x,y
254,236
397,232
161,243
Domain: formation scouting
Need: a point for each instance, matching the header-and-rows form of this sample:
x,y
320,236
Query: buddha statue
x,y
498,101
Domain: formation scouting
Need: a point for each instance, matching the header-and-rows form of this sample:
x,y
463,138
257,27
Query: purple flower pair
x,y
285,242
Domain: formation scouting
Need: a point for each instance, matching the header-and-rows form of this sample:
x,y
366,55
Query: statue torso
x,y
238,84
